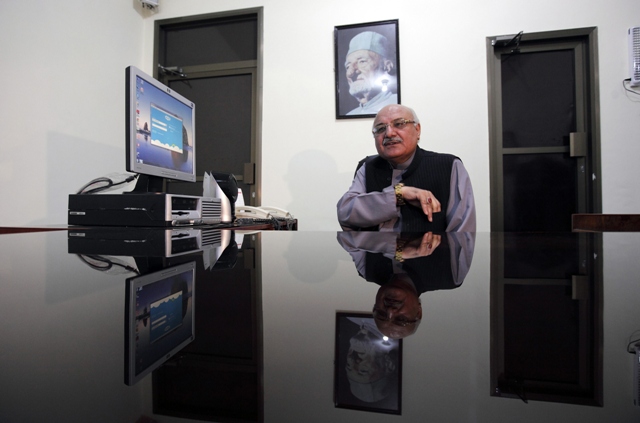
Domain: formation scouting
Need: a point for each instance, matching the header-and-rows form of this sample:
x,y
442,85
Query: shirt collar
x,y
406,164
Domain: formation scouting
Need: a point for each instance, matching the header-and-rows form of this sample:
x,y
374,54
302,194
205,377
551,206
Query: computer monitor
x,y
159,318
160,132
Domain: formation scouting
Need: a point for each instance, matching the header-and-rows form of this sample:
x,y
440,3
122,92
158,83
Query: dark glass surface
x,y
224,108
538,101
533,198
62,346
234,38
549,350
528,256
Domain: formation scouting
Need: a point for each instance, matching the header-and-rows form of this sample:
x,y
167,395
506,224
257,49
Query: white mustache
x,y
388,140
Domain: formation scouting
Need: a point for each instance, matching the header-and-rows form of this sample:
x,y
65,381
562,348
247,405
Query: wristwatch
x,y
399,248
399,197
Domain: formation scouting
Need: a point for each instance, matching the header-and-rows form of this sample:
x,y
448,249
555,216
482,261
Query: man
x,y
368,70
405,188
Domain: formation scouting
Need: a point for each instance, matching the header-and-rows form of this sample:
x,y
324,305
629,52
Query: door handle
x,y
579,287
578,144
249,177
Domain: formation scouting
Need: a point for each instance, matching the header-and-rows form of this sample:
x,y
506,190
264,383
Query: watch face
x,y
399,197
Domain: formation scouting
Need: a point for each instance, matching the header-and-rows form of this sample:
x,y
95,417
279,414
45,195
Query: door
x,y
213,60
545,166
544,137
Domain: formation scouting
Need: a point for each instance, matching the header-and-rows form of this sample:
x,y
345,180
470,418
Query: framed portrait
x,y
368,366
367,68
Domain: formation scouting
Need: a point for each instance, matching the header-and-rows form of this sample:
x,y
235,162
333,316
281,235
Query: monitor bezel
x,y
132,285
132,165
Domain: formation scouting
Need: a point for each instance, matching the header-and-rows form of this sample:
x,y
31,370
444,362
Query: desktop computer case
x,y
145,210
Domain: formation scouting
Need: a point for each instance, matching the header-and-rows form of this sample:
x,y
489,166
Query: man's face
x,y
396,145
397,310
363,68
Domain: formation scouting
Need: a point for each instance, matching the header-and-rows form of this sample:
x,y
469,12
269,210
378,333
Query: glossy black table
x,y
515,327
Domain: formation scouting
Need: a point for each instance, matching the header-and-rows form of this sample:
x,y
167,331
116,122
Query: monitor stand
x,y
147,184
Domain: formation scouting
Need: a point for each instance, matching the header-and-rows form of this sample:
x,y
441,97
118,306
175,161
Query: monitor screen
x,y
159,318
160,127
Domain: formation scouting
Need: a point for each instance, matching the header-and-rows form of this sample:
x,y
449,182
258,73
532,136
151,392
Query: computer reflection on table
x,y
160,270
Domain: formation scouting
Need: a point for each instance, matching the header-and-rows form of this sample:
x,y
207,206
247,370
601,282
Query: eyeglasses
x,y
396,124
401,321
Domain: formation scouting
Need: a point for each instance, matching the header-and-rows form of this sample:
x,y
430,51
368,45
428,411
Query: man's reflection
x,y
397,310
405,266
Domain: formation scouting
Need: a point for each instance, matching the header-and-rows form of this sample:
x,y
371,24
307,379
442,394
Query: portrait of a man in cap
x,y
367,73
368,69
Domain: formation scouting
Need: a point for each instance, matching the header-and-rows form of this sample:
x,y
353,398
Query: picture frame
x,y
367,365
362,93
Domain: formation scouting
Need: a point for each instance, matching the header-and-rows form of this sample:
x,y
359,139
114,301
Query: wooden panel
x,y
605,222
13,230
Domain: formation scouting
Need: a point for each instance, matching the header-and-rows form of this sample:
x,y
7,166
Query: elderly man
x,y
405,188
368,70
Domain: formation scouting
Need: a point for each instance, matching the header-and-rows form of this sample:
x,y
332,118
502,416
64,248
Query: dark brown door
x,y
544,140
213,61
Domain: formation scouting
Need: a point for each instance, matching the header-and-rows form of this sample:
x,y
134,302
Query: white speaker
x,y
634,55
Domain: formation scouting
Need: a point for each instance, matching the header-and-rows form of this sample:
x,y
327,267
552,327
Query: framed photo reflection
x,y
368,366
367,68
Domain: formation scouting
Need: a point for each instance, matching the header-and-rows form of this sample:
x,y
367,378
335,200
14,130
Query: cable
x,y
108,181
632,342
106,263
629,89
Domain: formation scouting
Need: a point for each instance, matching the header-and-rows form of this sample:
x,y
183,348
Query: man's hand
x,y
422,198
421,247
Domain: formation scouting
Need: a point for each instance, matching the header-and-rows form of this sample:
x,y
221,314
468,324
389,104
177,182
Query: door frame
x,y
499,45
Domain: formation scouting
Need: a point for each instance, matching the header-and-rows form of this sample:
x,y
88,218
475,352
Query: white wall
x,y
61,109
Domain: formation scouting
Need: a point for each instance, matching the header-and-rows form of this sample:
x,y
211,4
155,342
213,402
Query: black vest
x,y
428,170
429,273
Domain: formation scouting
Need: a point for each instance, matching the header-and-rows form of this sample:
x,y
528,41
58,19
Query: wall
x,y
62,101
63,77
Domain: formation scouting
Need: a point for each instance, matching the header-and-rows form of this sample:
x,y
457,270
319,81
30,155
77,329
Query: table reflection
x,y
368,366
535,327
159,295
406,266
546,312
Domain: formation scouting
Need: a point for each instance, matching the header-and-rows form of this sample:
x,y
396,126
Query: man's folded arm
x,y
360,209
461,211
